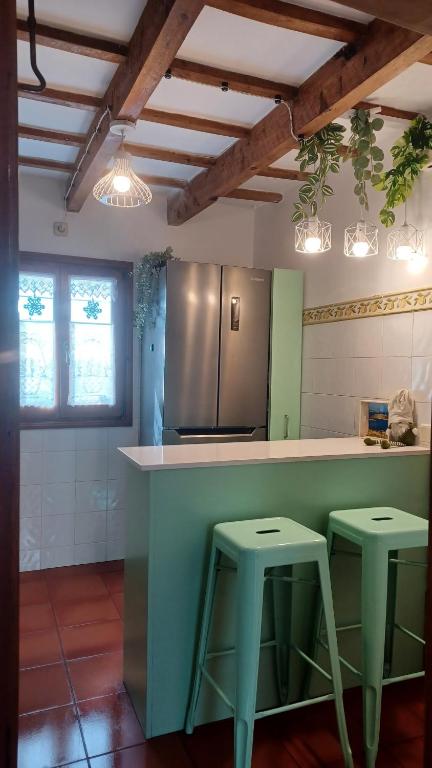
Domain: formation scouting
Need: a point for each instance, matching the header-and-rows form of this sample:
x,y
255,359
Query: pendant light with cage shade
x,y
122,187
405,243
361,240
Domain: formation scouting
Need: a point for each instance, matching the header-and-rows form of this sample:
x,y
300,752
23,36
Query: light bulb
x,y
404,252
360,249
121,183
313,244
417,263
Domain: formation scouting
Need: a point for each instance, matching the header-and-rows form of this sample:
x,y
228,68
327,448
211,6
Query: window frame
x,y
64,415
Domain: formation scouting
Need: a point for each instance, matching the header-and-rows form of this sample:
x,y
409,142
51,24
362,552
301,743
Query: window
x,y
75,341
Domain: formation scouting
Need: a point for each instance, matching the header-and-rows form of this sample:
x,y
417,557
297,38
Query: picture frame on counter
x,y
373,418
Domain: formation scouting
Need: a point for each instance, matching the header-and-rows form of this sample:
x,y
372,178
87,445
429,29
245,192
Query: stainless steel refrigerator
x,y
205,358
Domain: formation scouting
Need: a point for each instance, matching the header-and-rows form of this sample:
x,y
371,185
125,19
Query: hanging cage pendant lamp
x,y
312,236
405,243
361,240
121,187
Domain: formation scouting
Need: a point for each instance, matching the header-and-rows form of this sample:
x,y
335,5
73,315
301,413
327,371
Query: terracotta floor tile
x,y
43,688
109,723
163,752
76,587
38,648
36,617
118,599
114,581
33,591
407,754
92,639
97,676
85,611
48,739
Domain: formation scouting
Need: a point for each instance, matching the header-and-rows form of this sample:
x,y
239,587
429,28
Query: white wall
x,y
72,480
365,358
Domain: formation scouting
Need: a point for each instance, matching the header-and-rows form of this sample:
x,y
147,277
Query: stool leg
x,y
204,634
374,605
282,596
250,586
327,603
391,614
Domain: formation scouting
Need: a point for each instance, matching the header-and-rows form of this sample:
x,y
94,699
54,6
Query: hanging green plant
x,y
146,275
321,153
366,157
411,153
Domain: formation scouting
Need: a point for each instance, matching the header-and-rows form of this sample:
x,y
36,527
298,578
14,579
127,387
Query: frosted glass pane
x,y
37,341
92,361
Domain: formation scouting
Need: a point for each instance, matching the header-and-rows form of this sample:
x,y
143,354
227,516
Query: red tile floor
x,y
74,710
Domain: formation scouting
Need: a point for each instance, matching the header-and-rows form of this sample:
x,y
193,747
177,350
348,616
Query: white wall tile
x,y
92,465
116,494
91,496
90,527
30,468
422,334
91,439
30,533
367,337
396,375
30,500
398,335
90,553
307,375
116,524
58,499
59,466
333,376
115,550
422,413
57,557
422,378
58,439
329,412
122,437
367,379
116,464
30,560
58,530
30,440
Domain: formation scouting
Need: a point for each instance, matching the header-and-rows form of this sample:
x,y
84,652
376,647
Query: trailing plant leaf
x,y
364,152
410,155
321,154
146,275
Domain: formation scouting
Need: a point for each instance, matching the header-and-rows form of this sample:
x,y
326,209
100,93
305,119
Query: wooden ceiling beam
x,y
63,98
192,123
160,32
162,154
294,17
336,87
415,16
74,42
399,114
232,81
157,181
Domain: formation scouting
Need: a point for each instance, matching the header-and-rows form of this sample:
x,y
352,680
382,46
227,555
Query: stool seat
x,y
268,539
388,526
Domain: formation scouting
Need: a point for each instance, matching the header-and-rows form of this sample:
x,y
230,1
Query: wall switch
x,y
60,228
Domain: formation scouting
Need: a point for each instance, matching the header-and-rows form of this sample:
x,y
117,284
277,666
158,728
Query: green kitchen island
x,y
176,494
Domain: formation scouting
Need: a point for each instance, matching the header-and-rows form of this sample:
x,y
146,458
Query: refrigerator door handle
x,y
215,436
286,427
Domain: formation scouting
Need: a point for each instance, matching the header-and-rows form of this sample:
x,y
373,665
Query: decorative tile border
x,y
384,304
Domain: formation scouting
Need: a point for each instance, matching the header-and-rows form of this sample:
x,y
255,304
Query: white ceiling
x,y
218,39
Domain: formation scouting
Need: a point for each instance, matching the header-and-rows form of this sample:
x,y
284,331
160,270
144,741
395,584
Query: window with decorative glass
x,y
75,341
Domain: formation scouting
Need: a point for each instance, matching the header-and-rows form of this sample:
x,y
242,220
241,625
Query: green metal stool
x,y
380,532
254,546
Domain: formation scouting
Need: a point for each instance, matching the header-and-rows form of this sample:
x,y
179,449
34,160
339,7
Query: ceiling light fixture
x,y
361,240
121,187
312,236
405,243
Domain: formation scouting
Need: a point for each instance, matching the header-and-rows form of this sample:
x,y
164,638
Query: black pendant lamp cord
x,y
31,24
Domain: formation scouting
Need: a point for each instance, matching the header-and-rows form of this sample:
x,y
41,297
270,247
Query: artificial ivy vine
x,y
146,276
321,153
411,153
366,157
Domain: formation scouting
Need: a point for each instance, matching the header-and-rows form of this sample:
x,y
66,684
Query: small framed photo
x,y
373,421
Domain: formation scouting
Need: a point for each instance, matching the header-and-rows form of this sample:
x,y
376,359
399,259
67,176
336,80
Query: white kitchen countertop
x,y
150,458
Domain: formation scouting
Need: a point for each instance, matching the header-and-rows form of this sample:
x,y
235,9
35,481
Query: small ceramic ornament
x,y
401,418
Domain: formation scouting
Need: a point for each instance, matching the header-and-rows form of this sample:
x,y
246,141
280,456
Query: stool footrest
x,y
410,634
343,661
313,663
399,561
229,651
218,689
402,678
295,705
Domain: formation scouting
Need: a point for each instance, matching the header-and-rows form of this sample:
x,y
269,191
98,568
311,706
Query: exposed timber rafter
x,y
336,87
415,15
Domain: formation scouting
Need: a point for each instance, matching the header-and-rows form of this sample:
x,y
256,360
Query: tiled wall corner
x,y
72,496
350,360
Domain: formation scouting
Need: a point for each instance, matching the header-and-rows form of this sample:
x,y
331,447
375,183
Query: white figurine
x,y
401,418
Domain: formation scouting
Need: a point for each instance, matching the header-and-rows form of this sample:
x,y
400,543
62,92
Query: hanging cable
x,y
31,24
288,106
106,112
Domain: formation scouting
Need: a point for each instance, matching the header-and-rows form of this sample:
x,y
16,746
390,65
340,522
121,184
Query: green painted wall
x,y
286,354
171,515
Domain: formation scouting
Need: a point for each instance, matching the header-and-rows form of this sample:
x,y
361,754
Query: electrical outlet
x,y
60,228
